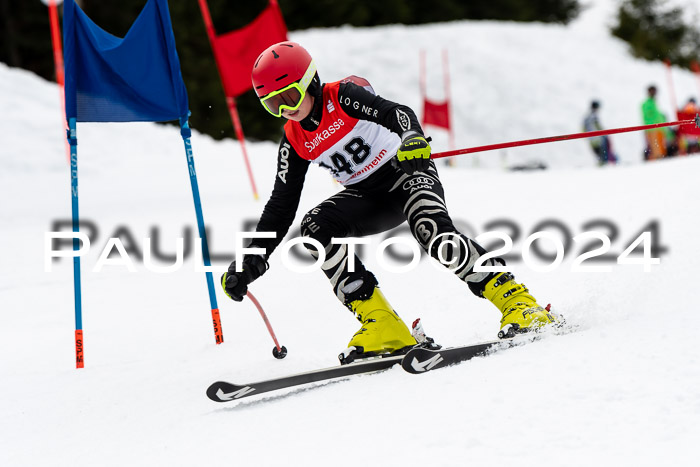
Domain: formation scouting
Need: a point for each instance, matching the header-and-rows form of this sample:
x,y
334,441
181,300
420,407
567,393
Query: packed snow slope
x,y
622,390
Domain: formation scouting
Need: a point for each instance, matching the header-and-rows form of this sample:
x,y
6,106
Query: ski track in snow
x,y
623,390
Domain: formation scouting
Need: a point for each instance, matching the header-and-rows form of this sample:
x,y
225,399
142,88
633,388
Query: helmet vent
x,y
282,77
274,54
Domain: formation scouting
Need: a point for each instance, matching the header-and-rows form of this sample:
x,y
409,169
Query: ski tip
x,y
212,390
419,360
226,392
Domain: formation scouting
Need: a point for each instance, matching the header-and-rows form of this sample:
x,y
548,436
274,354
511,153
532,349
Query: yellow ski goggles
x,y
289,97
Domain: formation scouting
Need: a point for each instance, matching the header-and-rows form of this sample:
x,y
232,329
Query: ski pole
x,y
279,351
551,139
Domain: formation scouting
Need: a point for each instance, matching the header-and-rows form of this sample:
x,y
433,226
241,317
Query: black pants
x,y
378,204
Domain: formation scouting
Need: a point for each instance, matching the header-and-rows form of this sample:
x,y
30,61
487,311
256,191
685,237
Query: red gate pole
x,y
696,69
230,100
233,111
669,76
448,98
58,66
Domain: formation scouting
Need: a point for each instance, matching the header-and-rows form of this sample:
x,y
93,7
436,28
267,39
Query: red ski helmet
x,y
281,75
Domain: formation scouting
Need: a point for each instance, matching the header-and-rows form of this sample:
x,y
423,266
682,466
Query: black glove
x,y
414,153
235,284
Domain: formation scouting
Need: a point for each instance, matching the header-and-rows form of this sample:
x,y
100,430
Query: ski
x,y
416,361
222,391
421,360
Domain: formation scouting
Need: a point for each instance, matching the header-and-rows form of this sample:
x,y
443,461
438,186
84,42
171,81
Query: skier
x,y
376,149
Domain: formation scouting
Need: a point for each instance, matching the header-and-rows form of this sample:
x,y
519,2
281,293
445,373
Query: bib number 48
x,y
356,152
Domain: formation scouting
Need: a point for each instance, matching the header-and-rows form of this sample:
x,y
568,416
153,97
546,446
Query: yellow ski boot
x,y
521,313
382,330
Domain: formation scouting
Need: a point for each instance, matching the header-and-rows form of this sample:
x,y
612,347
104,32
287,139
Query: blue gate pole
x,y
186,134
73,142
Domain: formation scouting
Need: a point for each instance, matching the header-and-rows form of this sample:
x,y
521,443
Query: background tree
x,y
656,31
26,39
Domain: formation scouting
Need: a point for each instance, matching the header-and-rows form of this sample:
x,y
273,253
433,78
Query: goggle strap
x,y
305,80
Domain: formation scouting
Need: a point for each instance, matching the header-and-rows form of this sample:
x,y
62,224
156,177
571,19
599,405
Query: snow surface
x,y
623,390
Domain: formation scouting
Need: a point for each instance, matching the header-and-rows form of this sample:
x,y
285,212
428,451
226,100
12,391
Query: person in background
x,y
688,143
691,107
600,144
656,139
